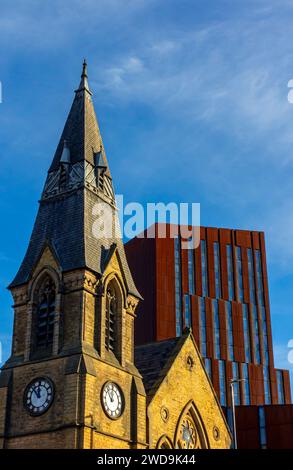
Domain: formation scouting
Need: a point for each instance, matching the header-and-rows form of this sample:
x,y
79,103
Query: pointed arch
x,y
164,442
43,293
190,430
114,303
38,279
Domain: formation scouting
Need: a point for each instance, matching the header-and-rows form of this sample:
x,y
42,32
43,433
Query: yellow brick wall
x,y
179,387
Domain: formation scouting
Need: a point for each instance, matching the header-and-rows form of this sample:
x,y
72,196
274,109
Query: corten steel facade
x,y
220,290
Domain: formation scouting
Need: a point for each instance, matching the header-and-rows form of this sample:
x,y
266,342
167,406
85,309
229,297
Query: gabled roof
x,y
153,360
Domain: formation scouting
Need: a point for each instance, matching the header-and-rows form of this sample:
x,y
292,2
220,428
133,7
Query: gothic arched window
x,y
45,315
112,308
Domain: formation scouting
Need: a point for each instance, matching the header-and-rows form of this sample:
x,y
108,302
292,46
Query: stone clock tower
x,y
71,381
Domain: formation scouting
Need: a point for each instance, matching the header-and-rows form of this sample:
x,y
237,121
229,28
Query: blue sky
x,y
191,97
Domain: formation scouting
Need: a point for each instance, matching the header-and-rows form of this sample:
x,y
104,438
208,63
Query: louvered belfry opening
x,y
111,318
45,315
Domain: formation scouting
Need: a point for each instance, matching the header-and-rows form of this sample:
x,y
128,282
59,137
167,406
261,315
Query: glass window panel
x,y
217,270
251,276
266,376
222,380
235,372
229,323
280,385
216,324
239,273
204,268
202,318
187,310
208,366
246,333
191,285
178,286
230,272
245,384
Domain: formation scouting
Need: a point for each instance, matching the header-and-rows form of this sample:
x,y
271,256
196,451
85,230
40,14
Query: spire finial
x,y
84,69
83,86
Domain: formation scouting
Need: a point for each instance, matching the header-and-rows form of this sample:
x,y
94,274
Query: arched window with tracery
x,y
45,315
112,309
190,433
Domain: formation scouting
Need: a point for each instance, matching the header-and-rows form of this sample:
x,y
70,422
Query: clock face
x,y
38,396
112,400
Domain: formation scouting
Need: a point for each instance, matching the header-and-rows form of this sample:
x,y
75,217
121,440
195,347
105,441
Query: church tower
x,y
71,381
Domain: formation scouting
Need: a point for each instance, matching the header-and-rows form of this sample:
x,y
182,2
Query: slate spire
x,y
78,188
81,131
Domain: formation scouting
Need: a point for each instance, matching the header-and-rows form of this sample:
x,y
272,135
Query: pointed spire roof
x,y
67,212
81,131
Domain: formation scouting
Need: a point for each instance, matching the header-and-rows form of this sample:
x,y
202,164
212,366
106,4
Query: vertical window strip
x,y
191,286
204,268
222,380
203,333
187,310
280,386
255,334
216,325
266,378
208,366
217,269
251,276
262,427
246,389
229,323
230,271
235,372
239,274
260,288
260,295
178,294
247,349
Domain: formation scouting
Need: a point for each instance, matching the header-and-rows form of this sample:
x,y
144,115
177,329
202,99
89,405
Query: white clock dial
x,y
38,396
112,400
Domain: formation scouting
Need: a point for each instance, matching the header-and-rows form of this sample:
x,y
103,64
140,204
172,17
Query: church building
x,y
75,379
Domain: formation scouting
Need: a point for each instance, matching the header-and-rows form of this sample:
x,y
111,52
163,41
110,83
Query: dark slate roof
x,y
81,131
65,221
153,361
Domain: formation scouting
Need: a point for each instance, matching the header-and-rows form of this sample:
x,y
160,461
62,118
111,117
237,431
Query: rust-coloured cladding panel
x,y
215,376
209,328
287,388
238,332
255,240
195,319
247,427
229,377
242,238
165,289
256,384
279,426
223,330
140,255
274,388
225,239
267,298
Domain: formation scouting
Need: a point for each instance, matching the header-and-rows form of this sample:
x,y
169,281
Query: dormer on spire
x,y
65,157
